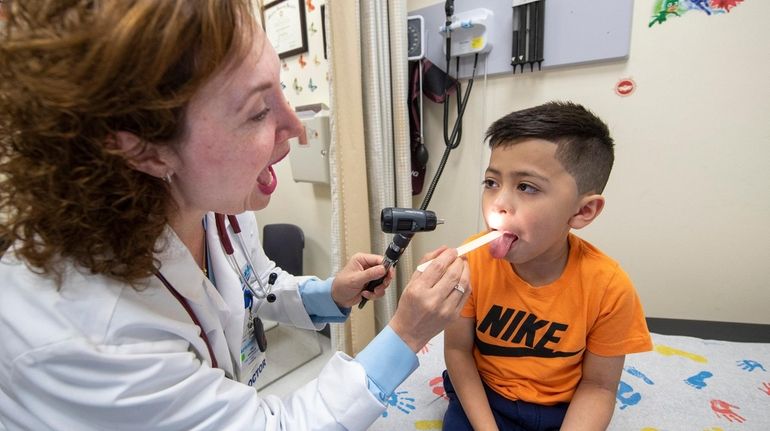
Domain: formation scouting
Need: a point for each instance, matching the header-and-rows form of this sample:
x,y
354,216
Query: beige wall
x,y
688,203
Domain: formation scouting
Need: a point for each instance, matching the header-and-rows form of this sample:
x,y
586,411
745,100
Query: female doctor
x,y
126,126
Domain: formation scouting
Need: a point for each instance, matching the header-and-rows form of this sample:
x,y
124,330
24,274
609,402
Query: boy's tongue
x,y
499,247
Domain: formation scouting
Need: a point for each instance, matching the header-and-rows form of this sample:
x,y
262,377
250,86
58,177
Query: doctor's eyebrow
x,y
250,93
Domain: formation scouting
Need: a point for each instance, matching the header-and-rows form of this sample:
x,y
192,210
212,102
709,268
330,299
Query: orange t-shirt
x,y
530,341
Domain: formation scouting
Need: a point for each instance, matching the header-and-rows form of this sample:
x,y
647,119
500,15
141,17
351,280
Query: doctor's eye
x,y
261,115
489,183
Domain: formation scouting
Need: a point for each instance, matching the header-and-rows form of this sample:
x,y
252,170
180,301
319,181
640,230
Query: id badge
x,y
253,360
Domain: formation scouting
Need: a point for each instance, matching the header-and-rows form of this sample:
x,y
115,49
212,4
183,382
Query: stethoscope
x,y
261,292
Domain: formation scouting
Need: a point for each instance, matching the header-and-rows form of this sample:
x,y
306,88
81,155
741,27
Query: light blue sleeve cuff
x,y
317,297
388,361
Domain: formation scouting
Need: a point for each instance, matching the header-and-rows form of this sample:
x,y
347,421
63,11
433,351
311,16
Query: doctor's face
x,y
237,127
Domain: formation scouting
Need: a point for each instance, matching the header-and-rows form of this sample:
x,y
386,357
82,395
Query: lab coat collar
x,y
228,283
181,270
224,274
179,267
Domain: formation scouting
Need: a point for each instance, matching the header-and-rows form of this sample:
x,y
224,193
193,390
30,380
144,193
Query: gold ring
x,y
459,288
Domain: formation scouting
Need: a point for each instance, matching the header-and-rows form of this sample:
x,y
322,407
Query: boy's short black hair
x,y
584,144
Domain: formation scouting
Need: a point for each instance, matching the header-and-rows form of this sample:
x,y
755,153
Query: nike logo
x,y
514,326
487,349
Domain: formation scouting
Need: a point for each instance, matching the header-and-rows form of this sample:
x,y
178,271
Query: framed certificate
x,y
285,27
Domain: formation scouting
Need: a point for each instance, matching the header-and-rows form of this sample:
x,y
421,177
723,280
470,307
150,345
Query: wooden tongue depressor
x,y
468,247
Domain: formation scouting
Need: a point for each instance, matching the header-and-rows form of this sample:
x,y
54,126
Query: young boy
x,y
541,342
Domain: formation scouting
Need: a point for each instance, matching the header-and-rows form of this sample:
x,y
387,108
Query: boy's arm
x,y
458,354
594,400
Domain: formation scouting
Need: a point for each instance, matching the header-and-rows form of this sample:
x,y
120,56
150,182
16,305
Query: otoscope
x,y
404,222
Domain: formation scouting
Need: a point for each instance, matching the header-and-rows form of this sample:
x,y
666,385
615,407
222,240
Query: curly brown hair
x,y
72,74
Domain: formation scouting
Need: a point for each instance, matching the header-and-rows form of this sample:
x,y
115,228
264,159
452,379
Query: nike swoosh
x,y
494,350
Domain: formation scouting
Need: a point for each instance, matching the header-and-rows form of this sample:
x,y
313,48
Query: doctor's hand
x,y
347,287
432,298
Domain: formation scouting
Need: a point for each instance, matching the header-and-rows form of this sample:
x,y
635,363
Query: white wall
x,y
688,202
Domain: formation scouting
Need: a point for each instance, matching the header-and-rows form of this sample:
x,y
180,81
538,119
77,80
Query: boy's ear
x,y
590,208
141,155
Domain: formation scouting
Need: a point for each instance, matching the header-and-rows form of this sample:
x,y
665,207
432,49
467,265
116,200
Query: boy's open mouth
x,y
500,247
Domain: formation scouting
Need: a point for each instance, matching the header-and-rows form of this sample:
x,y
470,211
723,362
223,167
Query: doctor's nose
x,y
290,126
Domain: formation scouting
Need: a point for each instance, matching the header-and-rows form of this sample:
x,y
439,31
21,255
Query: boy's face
x,y
530,197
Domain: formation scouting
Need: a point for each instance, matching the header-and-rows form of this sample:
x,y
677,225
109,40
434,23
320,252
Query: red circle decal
x,y
625,87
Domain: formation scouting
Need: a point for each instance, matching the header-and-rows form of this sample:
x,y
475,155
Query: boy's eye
x,y
261,115
527,188
488,184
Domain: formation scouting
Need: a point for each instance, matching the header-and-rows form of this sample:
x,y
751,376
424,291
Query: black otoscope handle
x,y
392,254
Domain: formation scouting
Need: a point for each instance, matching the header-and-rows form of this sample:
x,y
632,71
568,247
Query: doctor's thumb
x,y
374,273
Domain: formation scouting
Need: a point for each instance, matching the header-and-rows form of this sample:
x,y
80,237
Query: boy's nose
x,y
503,203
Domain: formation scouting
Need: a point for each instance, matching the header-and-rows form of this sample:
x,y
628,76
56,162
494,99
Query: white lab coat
x,y
98,354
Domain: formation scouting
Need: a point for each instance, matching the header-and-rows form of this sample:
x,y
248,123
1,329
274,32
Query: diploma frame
x,y
285,27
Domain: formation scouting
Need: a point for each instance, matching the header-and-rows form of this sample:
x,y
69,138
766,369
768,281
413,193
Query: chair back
x,y
284,244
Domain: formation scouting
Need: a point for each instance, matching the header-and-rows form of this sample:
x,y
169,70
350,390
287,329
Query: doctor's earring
x,y
167,177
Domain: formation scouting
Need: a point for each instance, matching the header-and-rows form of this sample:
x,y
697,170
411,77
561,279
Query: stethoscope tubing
x,y
227,247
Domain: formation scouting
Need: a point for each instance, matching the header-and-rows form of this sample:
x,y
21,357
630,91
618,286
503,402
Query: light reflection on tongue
x,y
268,189
499,247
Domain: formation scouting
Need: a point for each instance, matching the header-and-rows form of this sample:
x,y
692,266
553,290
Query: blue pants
x,y
509,415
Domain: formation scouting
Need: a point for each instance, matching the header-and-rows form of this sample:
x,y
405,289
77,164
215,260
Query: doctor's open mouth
x,y
267,181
